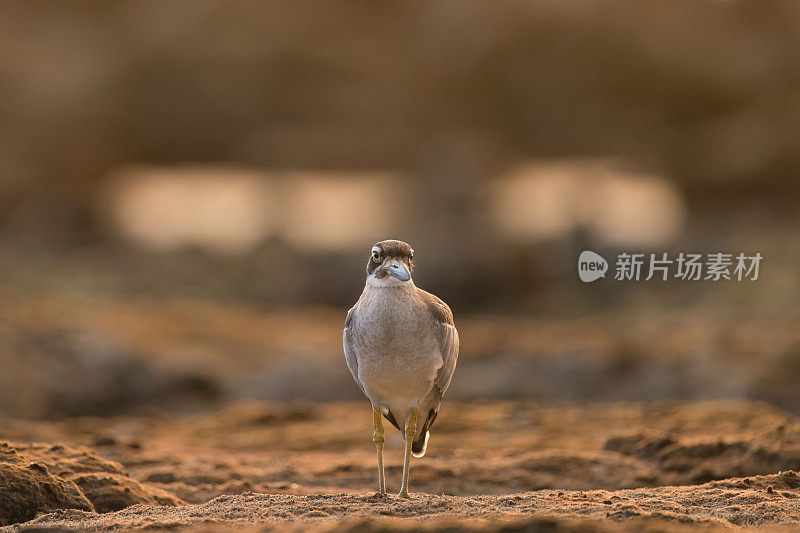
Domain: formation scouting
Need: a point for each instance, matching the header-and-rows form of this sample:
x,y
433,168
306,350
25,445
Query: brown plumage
x,y
401,344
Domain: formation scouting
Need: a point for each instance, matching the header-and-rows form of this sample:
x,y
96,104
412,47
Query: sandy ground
x,y
200,415
619,466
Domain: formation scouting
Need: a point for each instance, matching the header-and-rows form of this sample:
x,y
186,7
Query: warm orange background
x,y
189,192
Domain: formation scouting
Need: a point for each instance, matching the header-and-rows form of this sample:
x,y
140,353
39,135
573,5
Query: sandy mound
x,y
28,491
42,477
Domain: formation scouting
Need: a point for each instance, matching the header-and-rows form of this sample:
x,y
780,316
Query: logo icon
x,y
591,266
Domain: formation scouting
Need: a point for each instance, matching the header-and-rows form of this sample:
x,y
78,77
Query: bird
x,y
401,346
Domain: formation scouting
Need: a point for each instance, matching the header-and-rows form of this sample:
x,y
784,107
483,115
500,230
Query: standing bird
x,y
401,346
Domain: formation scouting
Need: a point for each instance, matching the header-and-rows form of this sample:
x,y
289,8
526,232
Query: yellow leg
x,y
377,438
411,428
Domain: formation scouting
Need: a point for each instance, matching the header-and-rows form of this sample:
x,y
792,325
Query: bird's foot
x,y
405,495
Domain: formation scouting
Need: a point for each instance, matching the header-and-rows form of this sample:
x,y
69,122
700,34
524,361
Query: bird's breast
x,y
396,349
390,321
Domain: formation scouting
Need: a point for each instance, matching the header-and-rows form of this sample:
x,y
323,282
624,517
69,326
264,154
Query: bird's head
x,y
390,263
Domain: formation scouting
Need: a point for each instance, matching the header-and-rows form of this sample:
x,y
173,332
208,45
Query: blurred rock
x,y
101,357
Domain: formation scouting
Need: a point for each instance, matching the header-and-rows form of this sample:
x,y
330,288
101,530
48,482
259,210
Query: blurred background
x,y
189,192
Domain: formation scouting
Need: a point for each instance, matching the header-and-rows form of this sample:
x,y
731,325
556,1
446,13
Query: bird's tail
x,y
419,446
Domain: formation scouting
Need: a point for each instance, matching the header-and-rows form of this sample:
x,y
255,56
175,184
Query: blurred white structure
x,y
233,210
330,211
548,200
220,209
229,210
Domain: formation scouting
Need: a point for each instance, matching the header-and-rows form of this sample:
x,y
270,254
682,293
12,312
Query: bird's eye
x,y
376,256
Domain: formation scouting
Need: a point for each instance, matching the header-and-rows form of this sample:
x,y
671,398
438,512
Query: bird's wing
x,y
447,337
349,349
448,343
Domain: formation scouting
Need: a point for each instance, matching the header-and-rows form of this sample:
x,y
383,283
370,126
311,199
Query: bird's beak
x,y
398,269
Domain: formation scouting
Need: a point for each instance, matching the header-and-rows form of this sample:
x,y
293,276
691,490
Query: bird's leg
x,y
377,438
411,428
